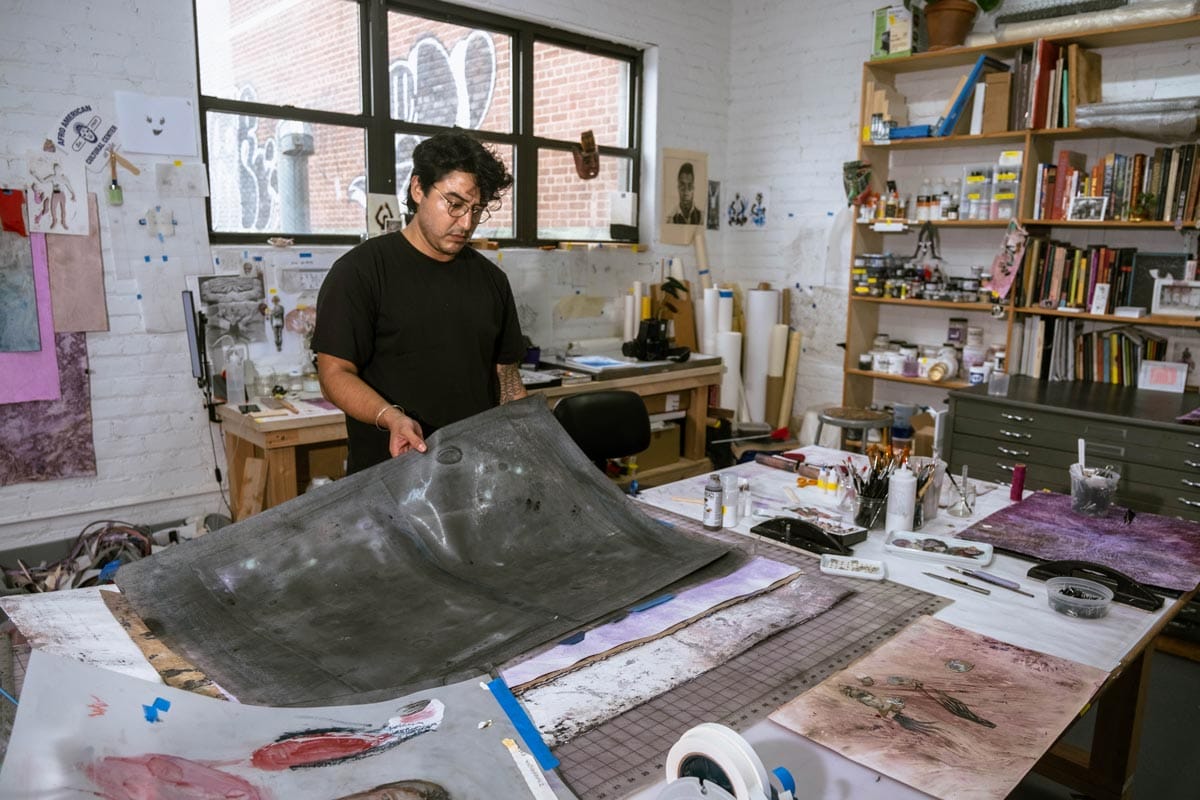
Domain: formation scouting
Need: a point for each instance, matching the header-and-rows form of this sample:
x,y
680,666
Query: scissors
x,y
802,481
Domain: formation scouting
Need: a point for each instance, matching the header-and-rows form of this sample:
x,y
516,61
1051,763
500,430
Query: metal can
x,y
1018,483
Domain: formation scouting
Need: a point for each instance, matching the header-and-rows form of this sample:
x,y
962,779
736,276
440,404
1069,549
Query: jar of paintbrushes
x,y
870,489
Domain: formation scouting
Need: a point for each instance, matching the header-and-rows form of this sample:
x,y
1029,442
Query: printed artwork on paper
x,y
747,208
684,173
149,124
56,193
18,296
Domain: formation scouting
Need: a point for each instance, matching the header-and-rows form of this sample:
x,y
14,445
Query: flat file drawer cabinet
x,y
1038,424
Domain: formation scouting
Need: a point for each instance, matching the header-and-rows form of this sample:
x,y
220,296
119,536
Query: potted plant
x,y
949,21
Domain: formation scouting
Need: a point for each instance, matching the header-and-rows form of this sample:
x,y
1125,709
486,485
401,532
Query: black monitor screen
x,y
193,335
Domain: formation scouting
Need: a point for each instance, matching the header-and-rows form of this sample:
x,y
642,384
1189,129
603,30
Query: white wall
x,y
152,438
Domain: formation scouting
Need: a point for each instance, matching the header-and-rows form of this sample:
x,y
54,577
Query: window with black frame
x,y
304,131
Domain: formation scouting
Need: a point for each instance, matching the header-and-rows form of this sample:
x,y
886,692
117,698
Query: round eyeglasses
x,y
459,208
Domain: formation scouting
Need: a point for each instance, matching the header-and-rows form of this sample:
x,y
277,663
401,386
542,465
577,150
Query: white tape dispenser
x,y
713,762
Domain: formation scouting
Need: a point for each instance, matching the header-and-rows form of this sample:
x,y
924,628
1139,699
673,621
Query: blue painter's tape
x,y
151,711
8,697
785,779
523,724
306,255
657,601
725,292
109,569
164,259
147,259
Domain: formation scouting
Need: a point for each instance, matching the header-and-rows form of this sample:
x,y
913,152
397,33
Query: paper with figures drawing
x,y
936,702
84,731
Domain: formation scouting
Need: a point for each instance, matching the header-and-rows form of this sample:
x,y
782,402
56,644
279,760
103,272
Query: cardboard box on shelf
x,y
922,438
664,447
897,32
995,101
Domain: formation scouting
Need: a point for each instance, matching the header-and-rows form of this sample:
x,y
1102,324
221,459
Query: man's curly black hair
x,y
453,151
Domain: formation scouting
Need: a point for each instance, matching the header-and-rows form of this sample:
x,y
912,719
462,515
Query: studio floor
x,y
1169,747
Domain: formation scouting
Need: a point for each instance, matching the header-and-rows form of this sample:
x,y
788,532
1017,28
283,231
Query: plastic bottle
x,y
235,378
901,500
745,501
714,500
938,200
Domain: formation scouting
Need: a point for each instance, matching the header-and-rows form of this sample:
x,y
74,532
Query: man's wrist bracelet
x,y
381,412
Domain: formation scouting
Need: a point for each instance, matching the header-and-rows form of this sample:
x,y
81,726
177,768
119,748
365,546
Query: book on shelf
x,y
1069,164
952,114
1083,83
996,102
1044,59
1130,312
977,108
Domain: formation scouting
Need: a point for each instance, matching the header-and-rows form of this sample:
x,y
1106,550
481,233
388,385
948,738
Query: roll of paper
x,y
639,289
706,281
789,380
729,348
675,269
631,318
711,302
725,311
776,357
762,313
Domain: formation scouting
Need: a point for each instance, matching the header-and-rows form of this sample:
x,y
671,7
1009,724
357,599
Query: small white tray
x,y
934,547
851,567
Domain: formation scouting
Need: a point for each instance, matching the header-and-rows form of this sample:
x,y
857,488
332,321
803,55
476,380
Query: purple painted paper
x,y
752,577
1162,552
34,376
45,440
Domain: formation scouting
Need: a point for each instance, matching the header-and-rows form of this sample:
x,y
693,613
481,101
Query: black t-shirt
x,y
425,334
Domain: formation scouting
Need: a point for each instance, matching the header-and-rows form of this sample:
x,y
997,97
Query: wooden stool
x,y
861,419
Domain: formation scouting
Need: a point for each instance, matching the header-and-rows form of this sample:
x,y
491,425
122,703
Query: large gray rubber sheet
x,y
421,570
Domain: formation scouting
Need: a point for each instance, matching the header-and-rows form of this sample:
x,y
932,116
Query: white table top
x,y
77,624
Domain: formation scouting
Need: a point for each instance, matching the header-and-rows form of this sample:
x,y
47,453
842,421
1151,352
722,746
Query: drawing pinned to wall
x,y
714,206
1185,350
159,222
748,209
181,180
159,284
85,730
77,278
18,296
33,375
45,440
258,180
682,172
56,194
150,124
231,303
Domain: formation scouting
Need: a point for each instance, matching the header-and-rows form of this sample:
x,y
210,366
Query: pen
x,y
995,580
956,581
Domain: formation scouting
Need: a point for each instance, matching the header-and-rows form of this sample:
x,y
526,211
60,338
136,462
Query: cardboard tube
x,y
631,319
645,308
729,348
762,312
706,281
789,380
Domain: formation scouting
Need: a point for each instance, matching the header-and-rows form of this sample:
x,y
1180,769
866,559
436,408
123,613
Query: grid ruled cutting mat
x,y
629,751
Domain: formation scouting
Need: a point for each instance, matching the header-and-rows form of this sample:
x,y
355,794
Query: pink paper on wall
x,y
34,376
77,278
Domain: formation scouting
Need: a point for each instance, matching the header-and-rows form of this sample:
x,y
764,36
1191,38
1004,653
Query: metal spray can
x,y
714,501
1018,483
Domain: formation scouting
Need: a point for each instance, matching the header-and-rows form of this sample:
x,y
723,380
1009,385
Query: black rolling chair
x,y
606,424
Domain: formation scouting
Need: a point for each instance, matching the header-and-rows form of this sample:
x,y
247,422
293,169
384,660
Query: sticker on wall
x,y
385,213
83,134
148,124
56,194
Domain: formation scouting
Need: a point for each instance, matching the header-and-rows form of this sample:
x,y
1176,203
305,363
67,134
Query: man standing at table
x,y
415,329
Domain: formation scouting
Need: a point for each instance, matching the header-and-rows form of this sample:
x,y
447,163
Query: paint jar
x,y
865,361
998,384
869,512
713,502
977,374
881,360
956,330
881,342
975,336
974,355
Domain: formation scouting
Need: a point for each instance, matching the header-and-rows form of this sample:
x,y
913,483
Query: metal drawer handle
x,y
1192,503
1005,467
1193,484
1193,464
1018,435
1015,417
1008,452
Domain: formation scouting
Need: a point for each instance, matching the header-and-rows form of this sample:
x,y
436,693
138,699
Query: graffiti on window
x,y
258,181
434,85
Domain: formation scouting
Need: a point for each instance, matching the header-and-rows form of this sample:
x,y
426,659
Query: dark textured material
x,y
422,569
45,440
1161,552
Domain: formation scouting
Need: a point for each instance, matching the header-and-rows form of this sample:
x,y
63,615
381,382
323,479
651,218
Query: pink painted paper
x,y
77,278
34,376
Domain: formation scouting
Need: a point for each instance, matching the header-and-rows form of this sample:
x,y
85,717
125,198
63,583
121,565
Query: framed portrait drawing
x,y
684,182
1087,209
1185,350
1162,376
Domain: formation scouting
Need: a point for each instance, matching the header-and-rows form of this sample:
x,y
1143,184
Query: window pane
x,y
444,74
570,208
285,176
498,226
265,51
575,91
